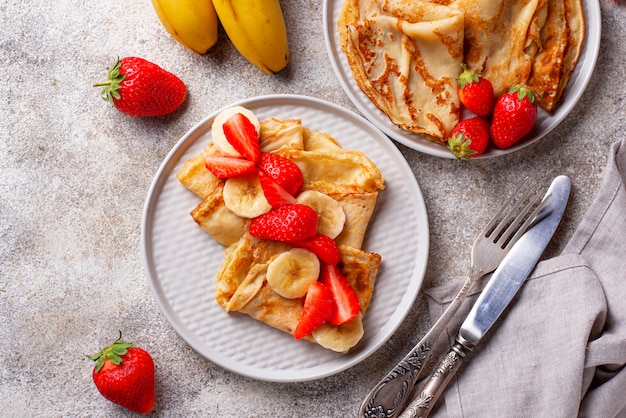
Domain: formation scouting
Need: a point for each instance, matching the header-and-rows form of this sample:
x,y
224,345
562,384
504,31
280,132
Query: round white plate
x,y
181,260
545,123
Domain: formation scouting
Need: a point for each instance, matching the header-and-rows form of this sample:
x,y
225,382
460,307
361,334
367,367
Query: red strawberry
x,y
140,88
225,167
242,135
475,92
284,171
274,193
514,116
469,138
317,310
323,246
125,375
286,223
346,299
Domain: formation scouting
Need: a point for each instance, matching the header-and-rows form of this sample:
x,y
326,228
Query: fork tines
x,y
516,215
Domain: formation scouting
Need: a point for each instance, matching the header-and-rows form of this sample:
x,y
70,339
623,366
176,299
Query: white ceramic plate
x,y
181,260
545,122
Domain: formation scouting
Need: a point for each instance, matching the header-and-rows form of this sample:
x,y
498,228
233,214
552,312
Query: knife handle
x,y
437,383
390,395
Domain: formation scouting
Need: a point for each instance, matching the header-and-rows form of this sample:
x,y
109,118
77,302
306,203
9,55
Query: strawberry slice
x,y
318,309
346,299
242,135
323,246
286,223
225,167
275,194
283,171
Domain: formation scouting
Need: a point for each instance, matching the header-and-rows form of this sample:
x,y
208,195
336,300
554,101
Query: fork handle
x,y
437,383
389,396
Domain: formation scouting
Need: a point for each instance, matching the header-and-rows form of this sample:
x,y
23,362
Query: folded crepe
x,y
405,56
348,177
241,286
561,40
533,42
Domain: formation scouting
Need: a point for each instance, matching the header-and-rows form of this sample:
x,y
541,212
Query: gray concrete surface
x,y
74,174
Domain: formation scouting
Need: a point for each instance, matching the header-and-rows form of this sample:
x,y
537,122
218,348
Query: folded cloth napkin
x,y
560,348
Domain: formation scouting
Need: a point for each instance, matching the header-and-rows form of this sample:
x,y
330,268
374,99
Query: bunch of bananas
x,y
255,27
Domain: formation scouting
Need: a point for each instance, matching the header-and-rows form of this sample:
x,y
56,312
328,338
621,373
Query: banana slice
x,y
340,338
217,131
291,273
244,196
331,217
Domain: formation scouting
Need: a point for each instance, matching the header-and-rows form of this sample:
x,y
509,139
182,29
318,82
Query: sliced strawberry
x,y
242,135
286,223
323,246
283,171
225,167
318,309
346,299
275,194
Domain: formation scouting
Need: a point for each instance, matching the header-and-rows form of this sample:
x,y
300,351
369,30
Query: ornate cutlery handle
x,y
390,395
435,386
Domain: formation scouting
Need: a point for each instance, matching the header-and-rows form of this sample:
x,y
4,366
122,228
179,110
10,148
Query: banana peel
x,y
193,23
257,30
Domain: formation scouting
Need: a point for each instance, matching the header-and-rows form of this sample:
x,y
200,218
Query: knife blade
x,y
495,297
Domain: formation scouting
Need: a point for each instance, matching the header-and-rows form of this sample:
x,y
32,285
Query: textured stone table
x,y
74,174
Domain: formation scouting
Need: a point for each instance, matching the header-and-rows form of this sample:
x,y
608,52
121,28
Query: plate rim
x,y
321,370
564,109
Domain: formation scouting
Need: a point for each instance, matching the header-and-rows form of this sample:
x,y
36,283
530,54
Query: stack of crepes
x,y
405,55
349,177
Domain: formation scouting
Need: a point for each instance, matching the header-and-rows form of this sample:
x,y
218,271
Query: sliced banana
x,y
291,273
217,131
243,195
331,217
340,338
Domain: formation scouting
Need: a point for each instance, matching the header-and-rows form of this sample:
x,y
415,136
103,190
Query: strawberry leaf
x,y
111,353
110,87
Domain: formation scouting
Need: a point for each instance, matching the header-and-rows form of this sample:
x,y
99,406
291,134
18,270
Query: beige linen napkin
x,y
560,349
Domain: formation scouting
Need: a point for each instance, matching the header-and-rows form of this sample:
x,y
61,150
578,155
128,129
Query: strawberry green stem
x,y
113,353
112,85
467,77
523,91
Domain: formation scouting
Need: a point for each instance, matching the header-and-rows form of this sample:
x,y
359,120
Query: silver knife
x,y
493,300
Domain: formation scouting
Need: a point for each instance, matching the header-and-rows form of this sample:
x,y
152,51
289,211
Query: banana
x,y
340,338
331,217
291,273
244,196
193,23
257,29
217,132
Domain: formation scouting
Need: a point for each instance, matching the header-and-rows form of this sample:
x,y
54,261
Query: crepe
x,y
349,177
405,56
535,42
242,286
562,37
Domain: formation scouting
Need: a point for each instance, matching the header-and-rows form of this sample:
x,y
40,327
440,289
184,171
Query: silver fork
x,y
388,397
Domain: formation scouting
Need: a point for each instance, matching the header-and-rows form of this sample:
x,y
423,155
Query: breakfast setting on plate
x,y
336,208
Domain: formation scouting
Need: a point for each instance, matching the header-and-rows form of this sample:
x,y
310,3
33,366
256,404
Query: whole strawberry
x,y
475,92
124,374
140,88
514,115
469,138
